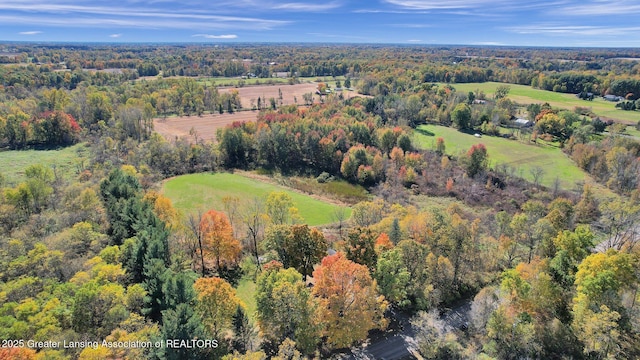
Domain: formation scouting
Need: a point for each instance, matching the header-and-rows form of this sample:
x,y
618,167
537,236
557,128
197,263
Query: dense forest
x,y
98,263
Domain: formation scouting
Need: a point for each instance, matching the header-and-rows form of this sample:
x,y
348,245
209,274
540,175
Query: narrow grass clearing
x,y
523,157
246,291
190,193
526,95
66,161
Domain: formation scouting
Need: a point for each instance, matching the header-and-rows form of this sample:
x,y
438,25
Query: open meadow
x,y
66,161
523,94
190,193
522,157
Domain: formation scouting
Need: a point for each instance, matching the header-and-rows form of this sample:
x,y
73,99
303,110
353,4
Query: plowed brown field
x,y
206,125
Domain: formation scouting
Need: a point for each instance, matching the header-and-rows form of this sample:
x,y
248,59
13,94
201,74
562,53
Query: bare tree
x,y
193,226
253,215
622,225
556,186
339,216
537,173
231,205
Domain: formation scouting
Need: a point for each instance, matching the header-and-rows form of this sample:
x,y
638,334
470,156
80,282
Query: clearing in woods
x,y
523,157
67,162
524,94
190,193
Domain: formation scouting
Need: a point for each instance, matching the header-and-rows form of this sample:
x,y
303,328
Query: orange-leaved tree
x,y
217,239
349,303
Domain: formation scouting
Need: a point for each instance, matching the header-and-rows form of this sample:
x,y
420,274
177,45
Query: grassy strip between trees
x,y
246,291
66,160
523,157
526,94
205,191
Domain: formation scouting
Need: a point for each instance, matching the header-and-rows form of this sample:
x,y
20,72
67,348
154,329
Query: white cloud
x,y
307,7
115,36
208,36
570,30
601,7
59,13
30,32
440,5
492,5
414,41
144,22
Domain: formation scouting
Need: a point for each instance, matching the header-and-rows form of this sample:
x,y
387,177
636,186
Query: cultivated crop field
x,y
190,193
526,95
523,157
206,125
290,93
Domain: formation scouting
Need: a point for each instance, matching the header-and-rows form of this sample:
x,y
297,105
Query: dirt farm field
x,y
206,125
289,93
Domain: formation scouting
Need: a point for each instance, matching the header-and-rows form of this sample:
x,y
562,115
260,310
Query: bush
x,y
324,177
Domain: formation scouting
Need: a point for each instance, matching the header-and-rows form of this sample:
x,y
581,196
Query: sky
x,y
557,23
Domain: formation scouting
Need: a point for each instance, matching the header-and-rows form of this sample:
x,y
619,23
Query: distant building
x,y
478,101
523,122
281,74
613,98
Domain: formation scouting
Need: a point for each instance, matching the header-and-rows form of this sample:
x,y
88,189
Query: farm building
x,y
519,122
613,98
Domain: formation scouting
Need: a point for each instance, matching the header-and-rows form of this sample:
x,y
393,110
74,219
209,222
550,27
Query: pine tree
x,y
395,234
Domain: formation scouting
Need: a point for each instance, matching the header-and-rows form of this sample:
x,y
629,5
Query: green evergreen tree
x,y
395,234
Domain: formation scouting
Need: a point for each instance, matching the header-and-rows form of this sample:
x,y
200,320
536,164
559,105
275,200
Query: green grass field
x,y
246,291
523,157
523,94
66,161
205,191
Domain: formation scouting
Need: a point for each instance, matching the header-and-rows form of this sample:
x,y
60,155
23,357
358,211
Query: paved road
x,y
398,342
457,317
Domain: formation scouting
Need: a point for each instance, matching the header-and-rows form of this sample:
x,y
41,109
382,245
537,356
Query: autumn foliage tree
x,y
216,303
286,309
217,240
475,161
360,247
297,246
349,303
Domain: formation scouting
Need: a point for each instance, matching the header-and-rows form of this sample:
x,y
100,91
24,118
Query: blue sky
x,y
599,23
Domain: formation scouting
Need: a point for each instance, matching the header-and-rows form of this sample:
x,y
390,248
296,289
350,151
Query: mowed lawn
x,y
523,157
190,193
65,160
526,95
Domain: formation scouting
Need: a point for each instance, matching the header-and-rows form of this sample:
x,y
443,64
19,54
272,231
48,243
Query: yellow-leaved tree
x,y
216,303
